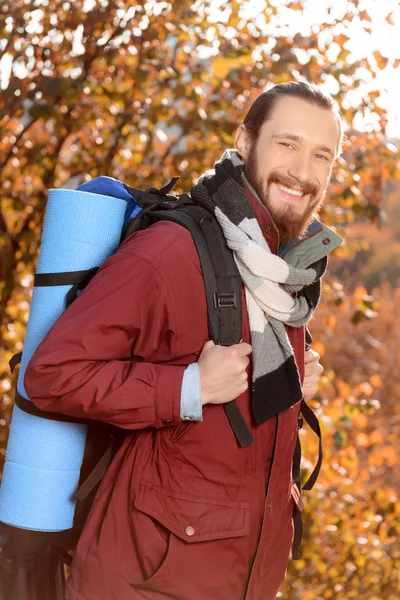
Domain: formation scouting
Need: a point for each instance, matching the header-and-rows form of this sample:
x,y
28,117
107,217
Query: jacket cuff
x,y
168,396
191,404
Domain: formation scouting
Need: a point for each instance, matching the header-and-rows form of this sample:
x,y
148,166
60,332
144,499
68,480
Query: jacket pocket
x,y
181,429
186,519
194,518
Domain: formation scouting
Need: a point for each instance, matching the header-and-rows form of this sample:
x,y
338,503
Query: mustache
x,y
305,187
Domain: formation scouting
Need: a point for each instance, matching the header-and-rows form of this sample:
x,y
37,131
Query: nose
x,y
301,167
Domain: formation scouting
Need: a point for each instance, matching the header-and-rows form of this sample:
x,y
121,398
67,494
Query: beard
x,y
290,223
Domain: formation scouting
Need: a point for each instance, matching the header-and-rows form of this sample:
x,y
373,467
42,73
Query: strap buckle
x,y
225,300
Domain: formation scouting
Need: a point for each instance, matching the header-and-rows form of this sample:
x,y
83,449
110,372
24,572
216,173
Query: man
x,y
184,512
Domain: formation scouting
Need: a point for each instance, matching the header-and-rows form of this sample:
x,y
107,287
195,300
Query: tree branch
x,y
19,137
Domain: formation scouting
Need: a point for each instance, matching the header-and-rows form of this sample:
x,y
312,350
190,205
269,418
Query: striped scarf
x,y
273,288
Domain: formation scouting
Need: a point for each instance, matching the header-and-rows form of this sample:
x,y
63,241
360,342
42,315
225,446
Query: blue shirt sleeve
x,y
191,405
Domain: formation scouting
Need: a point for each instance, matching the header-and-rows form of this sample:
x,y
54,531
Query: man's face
x,y
290,163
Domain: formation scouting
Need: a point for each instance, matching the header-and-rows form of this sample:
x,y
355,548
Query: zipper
x,y
265,504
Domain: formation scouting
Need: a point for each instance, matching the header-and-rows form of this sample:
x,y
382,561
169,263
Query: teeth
x,y
289,191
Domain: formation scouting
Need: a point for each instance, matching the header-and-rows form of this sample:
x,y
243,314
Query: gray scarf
x,y
273,288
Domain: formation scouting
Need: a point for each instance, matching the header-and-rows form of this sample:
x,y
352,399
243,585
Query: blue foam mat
x,y
81,230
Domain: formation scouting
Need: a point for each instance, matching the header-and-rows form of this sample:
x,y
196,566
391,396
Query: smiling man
x,y
185,511
289,141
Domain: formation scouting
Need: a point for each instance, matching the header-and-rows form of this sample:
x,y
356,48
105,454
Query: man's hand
x,y
223,375
313,372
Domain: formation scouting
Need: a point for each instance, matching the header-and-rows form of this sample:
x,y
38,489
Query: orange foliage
x,y
352,516
142,91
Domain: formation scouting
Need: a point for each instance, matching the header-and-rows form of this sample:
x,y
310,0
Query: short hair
x,y
261,109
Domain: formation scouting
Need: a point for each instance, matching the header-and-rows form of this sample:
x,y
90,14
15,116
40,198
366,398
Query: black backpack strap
x,y
297,519
221,278
151,202
312,421
152,195
78,280
165,190
28,407
15,360
238,424
98,471
223,286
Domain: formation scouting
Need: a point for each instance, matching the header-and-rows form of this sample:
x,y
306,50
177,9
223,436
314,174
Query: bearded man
x,y
184,512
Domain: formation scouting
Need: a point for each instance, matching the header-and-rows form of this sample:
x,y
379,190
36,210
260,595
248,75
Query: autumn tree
x,y
142,91
352,516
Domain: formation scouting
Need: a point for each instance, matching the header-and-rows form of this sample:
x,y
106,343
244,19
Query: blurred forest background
x,y
142,91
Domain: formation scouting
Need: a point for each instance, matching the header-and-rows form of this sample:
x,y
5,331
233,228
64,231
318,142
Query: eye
x,y
286,144
322,157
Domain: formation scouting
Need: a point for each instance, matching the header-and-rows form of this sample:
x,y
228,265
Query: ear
x,y
243,143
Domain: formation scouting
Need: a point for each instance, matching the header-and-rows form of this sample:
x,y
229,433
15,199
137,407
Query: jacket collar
x,y
265,221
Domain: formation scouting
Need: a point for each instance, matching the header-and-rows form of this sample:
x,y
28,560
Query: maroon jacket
x,y
183,512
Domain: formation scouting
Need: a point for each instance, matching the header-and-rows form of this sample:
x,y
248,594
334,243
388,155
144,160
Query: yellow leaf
x,y
364,16
319,347
376,437
360,420
359,293
381,60
389,19
221,66
374,94
295,5
344,389
341,39
375,459
376,380
363,389
330,321
389,455
362,440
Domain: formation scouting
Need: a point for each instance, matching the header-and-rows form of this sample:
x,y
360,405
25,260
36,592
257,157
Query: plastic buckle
x,y
169,204
225,300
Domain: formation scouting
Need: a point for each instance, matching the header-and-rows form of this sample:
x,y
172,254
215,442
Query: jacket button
x,y
189,531
326,241
268,228
166,421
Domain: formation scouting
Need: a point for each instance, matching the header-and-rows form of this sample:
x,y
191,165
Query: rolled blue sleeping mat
x,y
43,460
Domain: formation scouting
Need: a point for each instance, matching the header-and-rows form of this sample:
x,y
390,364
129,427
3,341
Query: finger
x,y
311,356
244,349
311,382
245,361
313,369
312,379
309,392
208,345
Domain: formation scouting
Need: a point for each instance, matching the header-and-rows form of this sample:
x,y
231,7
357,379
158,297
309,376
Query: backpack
x,y
223,287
